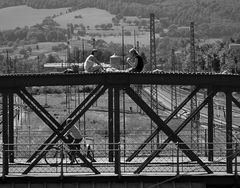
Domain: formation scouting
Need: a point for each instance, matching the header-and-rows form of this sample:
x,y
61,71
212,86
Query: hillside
x,y
8,16
214,18
88,17
176,10
179,11
10,3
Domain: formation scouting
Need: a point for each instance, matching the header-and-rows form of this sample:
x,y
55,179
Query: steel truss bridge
x,y
141,171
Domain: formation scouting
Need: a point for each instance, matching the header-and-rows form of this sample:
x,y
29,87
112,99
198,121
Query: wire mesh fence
x,y
135,128
60,158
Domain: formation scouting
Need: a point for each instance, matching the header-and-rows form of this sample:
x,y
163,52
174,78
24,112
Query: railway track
x,y
164,103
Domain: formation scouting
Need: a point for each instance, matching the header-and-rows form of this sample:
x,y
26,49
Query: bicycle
x,y
55,156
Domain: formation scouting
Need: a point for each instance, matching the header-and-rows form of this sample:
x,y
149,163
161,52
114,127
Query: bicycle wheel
x,y
53,157
72,157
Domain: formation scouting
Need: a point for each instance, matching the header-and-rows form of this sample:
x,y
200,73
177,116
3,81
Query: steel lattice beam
x,y
64,129
115,82
167,130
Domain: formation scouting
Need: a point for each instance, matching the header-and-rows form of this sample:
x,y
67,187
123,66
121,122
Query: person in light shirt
x,y
91,63
74,135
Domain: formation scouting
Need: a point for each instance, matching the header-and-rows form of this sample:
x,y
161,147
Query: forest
x,y
214,18
10,3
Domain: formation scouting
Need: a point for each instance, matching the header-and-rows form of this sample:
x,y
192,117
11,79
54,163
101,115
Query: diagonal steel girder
x,y
64,130
164,144
38,112
136,152
43,110
28,102
235,102
167,130
60,127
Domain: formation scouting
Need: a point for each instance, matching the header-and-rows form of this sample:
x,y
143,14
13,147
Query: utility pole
x,y
152,42
38,64
123,51
195,124
134,37
139,86
15,65
7,63
68,88
123,95
153,65
83,51
137,47
192,48
68,54
173,87
94,43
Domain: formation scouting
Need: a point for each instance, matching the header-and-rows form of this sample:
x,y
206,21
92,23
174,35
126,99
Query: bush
x,y
79,16
86,89
48,90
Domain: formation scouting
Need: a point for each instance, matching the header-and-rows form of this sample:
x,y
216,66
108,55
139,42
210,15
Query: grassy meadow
x,y
21,16
90,17
93,16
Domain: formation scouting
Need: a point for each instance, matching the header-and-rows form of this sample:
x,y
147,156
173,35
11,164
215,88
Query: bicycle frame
x,y
57,153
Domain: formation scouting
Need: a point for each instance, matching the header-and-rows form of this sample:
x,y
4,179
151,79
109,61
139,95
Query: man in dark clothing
x,y
216,64
135,60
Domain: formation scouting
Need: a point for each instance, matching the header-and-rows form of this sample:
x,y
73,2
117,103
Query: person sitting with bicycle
x,y
74,139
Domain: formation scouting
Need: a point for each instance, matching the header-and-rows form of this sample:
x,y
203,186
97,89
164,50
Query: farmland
x,y
21,16
90,17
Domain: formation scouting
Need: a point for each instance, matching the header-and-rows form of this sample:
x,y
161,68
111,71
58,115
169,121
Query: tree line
x,y
9,3
48,31
213,18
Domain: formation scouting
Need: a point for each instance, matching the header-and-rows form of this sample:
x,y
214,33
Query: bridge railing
x,y
112,110
171,160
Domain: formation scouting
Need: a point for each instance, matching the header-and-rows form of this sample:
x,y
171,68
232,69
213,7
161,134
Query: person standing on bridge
x,y
135,61
91,63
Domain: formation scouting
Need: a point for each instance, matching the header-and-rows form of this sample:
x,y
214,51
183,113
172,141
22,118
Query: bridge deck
x,y
152,165
120,78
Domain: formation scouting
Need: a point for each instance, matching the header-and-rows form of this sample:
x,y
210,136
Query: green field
x,y
21,16
90,17
93,16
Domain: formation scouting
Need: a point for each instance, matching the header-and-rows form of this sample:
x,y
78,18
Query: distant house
x,y
234,46
183,28
17,56
59,67
165,30
172,27
56,65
